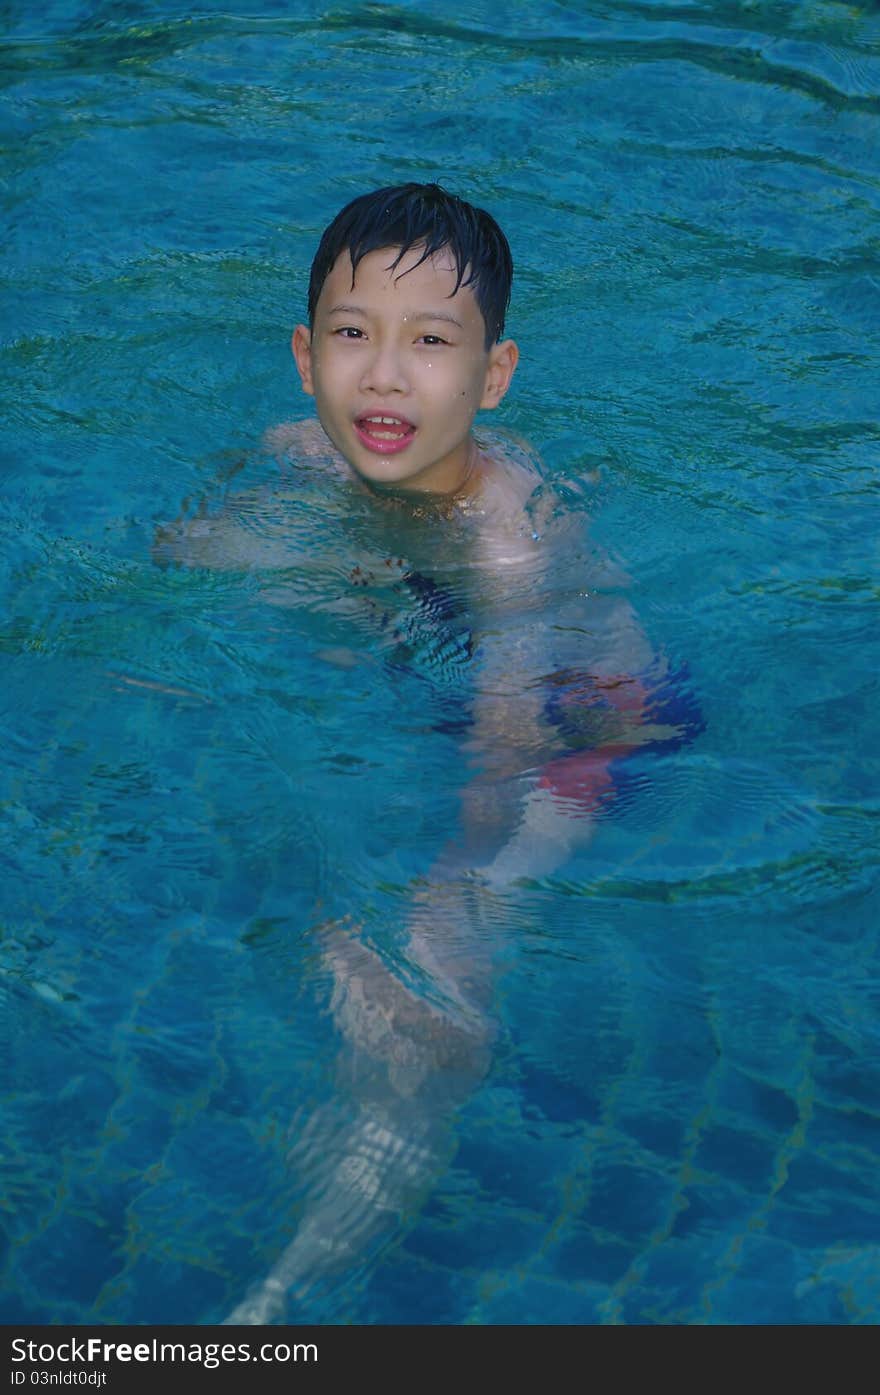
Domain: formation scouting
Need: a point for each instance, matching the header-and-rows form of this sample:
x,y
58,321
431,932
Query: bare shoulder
x,y
539,544
516,505
252,528
511,471
518,502
303,440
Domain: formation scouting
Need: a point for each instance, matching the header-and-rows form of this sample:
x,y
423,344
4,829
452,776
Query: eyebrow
x,y
419,314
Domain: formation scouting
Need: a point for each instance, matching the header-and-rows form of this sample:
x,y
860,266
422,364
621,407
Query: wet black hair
x,y
411,215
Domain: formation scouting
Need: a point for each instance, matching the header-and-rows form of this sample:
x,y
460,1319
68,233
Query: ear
x,y
503,359
301,343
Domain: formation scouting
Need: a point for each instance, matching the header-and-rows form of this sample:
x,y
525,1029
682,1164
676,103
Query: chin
x,y
388,473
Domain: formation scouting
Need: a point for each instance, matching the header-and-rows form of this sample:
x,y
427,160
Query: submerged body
x,y
449,544
409,1057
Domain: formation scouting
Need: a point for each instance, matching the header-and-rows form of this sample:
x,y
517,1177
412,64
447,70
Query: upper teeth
x,y
387,421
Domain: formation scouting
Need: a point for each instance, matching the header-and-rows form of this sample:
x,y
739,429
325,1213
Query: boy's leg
x,y
368,1159
549,830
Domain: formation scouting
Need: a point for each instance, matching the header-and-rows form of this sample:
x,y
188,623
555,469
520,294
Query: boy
x,y
407,299
408,294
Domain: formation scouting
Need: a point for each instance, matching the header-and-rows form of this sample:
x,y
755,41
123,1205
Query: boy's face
x,y
398,367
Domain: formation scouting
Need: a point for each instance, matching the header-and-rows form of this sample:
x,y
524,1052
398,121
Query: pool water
x,y
206,766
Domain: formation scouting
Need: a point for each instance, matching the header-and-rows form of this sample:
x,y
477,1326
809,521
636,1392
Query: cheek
x,y
461,388
470,393
442,387
329,376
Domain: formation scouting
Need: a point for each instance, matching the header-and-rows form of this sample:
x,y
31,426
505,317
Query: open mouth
x,y
383,433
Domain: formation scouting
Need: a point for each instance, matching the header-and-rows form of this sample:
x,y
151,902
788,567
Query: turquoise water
x,y
680,1120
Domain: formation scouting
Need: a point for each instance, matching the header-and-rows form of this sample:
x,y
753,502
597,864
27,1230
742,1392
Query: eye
x,y
432,340
349,332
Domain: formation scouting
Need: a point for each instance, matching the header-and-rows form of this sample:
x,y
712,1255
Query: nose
x,y
384,370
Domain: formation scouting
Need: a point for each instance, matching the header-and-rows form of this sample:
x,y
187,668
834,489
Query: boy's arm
x,y
567,792
561,695
527,802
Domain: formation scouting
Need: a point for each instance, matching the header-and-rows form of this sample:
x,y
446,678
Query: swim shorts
x,y
599,719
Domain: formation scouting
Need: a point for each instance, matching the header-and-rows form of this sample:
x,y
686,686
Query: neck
x,y
466,484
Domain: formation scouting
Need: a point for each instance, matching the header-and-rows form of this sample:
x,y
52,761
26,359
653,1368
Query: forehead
x,y
413,284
